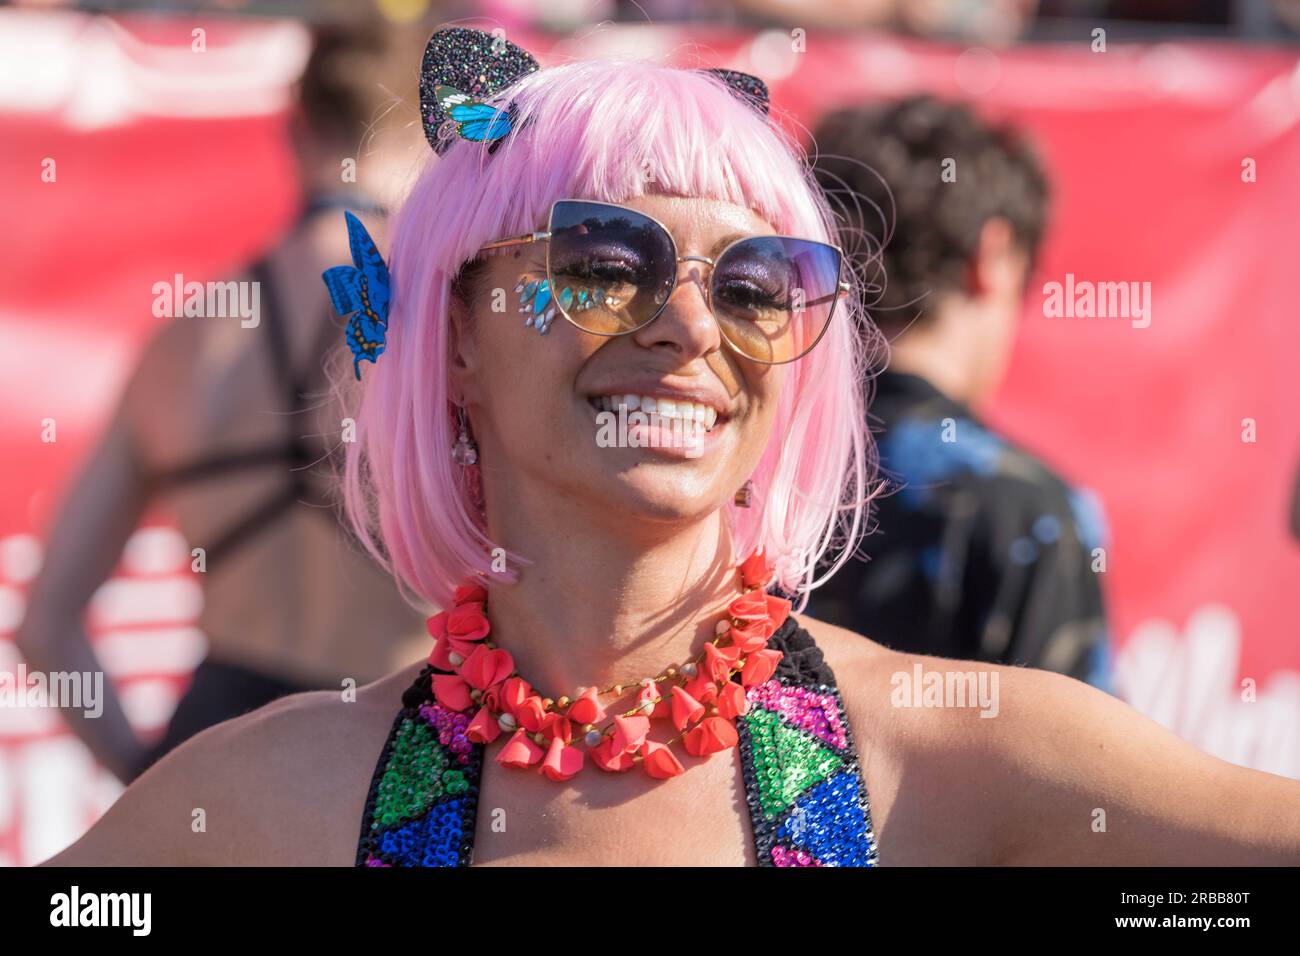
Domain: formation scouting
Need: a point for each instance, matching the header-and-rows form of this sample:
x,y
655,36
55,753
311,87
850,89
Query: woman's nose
x,y
686,324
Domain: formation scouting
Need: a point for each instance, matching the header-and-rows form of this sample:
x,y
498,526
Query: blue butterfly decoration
x,y
476,121
362,290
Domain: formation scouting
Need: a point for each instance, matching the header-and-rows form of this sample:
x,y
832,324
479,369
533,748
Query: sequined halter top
x,y
803,784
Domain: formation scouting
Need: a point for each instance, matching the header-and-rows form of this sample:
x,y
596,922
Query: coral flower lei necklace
x,y
702,697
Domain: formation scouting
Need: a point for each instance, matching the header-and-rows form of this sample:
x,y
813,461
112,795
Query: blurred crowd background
x,y
1171,139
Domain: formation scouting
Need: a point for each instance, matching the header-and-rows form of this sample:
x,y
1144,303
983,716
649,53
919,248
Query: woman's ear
x,y
463,347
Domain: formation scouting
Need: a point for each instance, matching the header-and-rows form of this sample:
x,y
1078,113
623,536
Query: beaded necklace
x,y
698,697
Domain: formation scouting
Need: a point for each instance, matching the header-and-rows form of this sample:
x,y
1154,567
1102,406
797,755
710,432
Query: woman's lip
x,y
622,403
658,438
700,396
699,413
633,402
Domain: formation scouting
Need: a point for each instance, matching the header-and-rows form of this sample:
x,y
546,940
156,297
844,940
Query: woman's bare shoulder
x,y
923,701
283,785
967,762
953,712
925,737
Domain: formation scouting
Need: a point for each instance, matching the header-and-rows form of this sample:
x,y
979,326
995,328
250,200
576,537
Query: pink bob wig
x,y
597,130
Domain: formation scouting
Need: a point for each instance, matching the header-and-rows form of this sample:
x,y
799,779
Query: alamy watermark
x,y
129,910
1099,300
635,428
209,300
946,688
72,690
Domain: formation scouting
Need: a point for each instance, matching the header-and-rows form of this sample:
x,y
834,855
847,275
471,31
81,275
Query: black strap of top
x,y
296,451
802,661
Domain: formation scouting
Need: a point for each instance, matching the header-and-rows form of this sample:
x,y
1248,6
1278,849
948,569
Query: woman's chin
x,y
659,493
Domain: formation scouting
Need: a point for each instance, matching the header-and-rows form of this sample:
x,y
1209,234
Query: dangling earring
x,y
464,452
745,494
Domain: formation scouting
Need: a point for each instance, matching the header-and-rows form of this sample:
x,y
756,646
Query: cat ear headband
x,y
461,68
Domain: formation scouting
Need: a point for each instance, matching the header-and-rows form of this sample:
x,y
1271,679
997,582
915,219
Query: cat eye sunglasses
x,y
610,270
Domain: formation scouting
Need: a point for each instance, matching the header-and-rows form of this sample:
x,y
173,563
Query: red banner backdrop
x,y
1171,166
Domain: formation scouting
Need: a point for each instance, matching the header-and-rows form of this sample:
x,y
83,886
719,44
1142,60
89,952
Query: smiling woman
x,y
717,173
616,674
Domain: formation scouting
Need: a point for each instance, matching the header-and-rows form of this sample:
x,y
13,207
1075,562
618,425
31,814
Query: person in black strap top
x,y
232,429
617,675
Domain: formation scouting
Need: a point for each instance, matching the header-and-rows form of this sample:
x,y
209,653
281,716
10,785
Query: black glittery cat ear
x,y
749,88
462,67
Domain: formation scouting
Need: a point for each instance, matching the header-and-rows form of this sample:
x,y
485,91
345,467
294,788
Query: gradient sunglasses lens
x,y
611,269
773,296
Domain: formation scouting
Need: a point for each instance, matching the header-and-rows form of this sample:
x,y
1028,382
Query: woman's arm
x,y
1094,760
1066,774
284,785
179,812
99,513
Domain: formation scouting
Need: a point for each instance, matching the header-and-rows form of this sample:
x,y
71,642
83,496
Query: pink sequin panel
x,y
815,713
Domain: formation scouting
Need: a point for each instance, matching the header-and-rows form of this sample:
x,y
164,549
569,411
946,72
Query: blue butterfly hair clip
x,y
476,121
364,291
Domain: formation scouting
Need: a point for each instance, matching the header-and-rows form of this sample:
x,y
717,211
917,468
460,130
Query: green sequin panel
x,y
417,774
786,761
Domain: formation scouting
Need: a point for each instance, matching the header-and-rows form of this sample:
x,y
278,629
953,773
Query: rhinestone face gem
x,y
542,299
538,305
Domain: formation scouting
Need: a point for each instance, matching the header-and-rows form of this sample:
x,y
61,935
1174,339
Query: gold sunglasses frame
x,y
842,287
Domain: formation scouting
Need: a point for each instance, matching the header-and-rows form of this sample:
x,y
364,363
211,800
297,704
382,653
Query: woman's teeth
x,y
701,415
